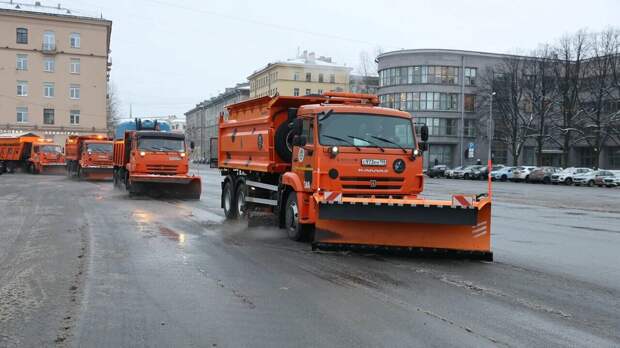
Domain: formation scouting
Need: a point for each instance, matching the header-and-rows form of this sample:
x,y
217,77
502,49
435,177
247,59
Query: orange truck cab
x,y
342,172
154,162
32,153
89,156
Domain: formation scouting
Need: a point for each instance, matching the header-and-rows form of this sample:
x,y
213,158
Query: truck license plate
x,y
174,158
374,162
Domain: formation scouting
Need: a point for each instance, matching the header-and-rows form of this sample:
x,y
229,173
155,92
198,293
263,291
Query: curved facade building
x,y
440,88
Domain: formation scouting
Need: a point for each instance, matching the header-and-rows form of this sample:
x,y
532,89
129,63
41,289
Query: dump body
x,y
154,162
32,153
347,170
89,157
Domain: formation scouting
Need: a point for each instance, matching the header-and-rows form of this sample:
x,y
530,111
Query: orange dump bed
x,y
16,148
247,138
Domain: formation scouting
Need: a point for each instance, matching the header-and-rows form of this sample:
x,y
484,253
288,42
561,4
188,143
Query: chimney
x,y
38,3
311,58
59,6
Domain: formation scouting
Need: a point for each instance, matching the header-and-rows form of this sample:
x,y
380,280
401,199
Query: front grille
x,y
555,176
161,168
370,183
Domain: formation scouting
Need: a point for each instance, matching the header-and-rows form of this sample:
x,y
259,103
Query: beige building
x,y
306,74
54,71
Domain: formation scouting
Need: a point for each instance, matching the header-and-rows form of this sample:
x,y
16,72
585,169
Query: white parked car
x,y
566,176
457,173
522,173
502,174
588,178
613,180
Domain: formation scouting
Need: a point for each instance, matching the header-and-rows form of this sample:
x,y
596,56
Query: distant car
x,y
449,172
543,174
457,173
481,173
468,172
566,176
502,174
437,171
522,173
587,178
610,179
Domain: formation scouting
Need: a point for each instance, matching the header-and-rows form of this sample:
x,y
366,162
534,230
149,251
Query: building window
x,y
586,157
470,102
22,115
421,101
49,41
296,92
74,91
470,76
614,157
500,152
22,88
296,76
48,89
320,77
48,116
470,128
75,65
332,78
22,36
419,74
308,77
74,117
319,91
22,62
308,91
74,40
49,64
438,126
440,154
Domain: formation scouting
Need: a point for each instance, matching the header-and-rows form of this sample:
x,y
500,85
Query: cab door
x,y
304,156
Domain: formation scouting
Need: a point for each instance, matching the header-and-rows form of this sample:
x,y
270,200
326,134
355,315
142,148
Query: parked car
x,y
543,174
566,176
522,173
613,180
457,173
502,174
482,174
437,171
586,178
468,172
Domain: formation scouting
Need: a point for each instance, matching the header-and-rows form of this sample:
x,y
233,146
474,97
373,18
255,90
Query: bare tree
x,y
569,54
112,108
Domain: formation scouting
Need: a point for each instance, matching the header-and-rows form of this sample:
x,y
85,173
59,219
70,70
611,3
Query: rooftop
x,y
38,8
305,58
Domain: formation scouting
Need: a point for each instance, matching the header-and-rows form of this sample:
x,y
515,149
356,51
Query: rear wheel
x,y
295,230
229,202
568,181
504,177
466,176
240,206
591,183
546,180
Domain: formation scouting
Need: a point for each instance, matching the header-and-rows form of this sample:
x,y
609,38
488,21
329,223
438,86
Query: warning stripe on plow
x,y
332,197
479,230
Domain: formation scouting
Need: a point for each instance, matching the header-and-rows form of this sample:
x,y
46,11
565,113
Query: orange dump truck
x,y
150,161
342,172
89,156
32,153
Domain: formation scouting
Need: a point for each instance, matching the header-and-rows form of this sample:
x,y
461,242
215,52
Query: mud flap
x,y
53,170
435,229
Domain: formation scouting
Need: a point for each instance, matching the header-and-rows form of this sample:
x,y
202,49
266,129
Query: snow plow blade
x,y
457,228
53,169
97,173
183,187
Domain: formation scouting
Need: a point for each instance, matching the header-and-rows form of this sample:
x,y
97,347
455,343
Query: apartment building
x,y
303,75
54,70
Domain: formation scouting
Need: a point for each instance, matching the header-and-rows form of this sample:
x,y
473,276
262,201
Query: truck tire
x,y
295,230
229,203
283,144
240,199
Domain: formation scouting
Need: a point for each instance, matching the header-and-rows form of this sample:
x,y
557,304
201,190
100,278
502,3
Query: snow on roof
x,y
305,61
37,7
17,135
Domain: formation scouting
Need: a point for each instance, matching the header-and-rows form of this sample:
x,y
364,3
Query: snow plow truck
x,y
341,172
89,157
29,152
151,160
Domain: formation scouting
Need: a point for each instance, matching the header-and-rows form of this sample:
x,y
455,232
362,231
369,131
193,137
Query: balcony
x,y
48,48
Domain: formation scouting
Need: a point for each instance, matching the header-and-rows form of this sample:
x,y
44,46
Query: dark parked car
x,y
543,174
437,171
482,173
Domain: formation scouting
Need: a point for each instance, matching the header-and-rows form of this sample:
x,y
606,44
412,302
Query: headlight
x,y
182,154
142,153
333,151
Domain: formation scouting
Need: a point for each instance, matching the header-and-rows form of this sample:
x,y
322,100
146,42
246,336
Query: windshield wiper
x,y
368,141
389,141
343,140
326,114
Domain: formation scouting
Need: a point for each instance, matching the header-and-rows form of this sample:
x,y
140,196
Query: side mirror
x,y
192,145
297,126
424,133
423,146
300,140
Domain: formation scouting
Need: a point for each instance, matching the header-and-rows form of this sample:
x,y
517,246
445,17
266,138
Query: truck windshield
x,y
161,144
366,130
50,149
99,148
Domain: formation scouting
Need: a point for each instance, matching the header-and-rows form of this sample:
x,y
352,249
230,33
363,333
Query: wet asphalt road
x,y
82,264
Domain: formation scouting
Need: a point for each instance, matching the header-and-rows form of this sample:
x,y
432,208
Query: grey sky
x,y
168,55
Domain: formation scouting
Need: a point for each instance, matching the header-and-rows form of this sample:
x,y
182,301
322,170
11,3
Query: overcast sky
x,y
169,55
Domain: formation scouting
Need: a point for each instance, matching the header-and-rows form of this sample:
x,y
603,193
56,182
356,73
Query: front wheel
x,y
591,183
295,230
546,181
240,206
229,203
568,181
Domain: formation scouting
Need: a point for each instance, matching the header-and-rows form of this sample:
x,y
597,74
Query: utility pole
x,y
490,135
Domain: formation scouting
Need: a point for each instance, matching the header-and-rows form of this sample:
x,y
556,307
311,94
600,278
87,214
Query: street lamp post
x,y
490,135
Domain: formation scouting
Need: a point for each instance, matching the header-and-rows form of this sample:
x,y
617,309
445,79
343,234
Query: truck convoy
x,y
149,159
89,156
31,153
341,172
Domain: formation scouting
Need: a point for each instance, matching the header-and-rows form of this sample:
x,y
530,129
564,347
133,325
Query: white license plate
x,y
174,158
374,162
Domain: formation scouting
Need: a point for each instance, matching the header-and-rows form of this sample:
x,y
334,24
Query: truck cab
x,y
153,152
46,157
